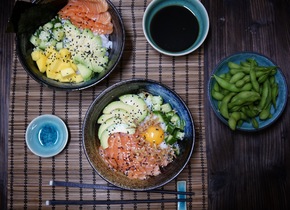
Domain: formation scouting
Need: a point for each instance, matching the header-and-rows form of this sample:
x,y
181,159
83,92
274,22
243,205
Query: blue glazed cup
x,y
195,6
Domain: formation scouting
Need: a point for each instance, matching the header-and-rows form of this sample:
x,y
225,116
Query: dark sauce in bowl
x,y
174,28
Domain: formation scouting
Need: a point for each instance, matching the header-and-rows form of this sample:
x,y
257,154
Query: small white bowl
x,y
46,135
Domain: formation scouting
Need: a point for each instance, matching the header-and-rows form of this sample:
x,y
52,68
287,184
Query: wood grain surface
x,y
248,170
6,50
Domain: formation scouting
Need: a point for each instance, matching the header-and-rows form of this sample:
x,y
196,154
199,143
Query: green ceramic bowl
x,y
194,6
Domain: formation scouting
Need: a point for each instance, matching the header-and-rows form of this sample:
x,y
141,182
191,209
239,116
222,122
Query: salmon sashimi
x,y
90,14
134,156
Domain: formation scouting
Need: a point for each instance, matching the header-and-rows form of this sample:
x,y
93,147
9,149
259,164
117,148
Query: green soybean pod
x,y
245,63
261,73
216,95
224,105
236,77
273,72
251,60
248,112
265,113
225,84
235,71
272,80
263,78
243,81
265,94
233,65
245,95
274,94
216,87
254,81
247,87
233,119
255,123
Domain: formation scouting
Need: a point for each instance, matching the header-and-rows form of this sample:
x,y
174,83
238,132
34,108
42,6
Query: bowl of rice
x,y
138,134
69,45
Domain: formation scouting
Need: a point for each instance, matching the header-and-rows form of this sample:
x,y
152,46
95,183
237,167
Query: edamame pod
x,y
265,113
226,85
236,77
243,81
233,65
263,78
265,94
254,79
224,105
274,94
216,95
255,123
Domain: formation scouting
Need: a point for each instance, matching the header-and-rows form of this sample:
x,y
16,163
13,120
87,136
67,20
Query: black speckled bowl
x,y
29,21
91,143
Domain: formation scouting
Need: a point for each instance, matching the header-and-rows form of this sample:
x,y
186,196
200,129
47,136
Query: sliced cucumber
x,y
35,40
48,26
166,107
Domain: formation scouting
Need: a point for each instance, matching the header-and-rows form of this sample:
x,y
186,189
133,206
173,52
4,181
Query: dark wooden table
x,y
245,170
248,170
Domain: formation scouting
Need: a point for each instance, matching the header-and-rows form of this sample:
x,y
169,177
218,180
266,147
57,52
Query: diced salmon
x,y
90,14
135,157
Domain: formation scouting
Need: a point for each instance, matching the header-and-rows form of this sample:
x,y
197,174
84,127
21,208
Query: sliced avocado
x,y
118,113
87,33
84,71
95,42
111,121
140,107
114,128
117,105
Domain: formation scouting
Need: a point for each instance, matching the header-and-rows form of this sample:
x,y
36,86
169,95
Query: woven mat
x,y
29,175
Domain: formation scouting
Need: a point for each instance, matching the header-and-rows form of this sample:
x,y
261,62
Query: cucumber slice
x,y
44,35
35,40
58,34
166,107
48,26
170,139
59,46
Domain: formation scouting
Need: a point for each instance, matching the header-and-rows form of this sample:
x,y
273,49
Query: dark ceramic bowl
x,y
262,60
31,19
91,143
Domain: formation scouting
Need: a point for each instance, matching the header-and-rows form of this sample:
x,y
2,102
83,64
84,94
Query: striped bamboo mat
x,y
29,175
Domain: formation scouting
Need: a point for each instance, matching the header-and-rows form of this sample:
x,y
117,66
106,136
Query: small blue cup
x,y
194,6
46,135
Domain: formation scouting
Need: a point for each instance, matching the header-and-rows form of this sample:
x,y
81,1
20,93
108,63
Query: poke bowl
x,y
123,150
65,50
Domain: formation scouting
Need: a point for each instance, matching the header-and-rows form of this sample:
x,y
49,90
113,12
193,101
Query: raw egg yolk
x,y
154,135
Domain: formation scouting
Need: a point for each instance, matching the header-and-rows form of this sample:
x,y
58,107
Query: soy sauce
x,y
174,28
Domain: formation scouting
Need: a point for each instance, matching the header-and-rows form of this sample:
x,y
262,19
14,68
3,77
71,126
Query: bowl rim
x,y
218,66
179,53
55,119
138,80
72,87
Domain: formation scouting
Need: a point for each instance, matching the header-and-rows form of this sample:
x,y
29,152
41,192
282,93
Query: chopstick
x,y
106,187
112,202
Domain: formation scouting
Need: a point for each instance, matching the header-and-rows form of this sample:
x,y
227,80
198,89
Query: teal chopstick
x,y
112,202
106,187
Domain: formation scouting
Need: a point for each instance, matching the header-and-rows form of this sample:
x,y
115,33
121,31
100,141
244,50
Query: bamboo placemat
x,y
29,175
